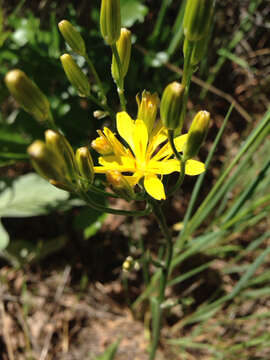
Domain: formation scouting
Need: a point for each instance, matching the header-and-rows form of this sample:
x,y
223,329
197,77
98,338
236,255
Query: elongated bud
x,y
28,95
101,145
196,134
46,162
57,143
85,165
110,20
171,105
123,45
120,185
147,109
72,37
197,18
75,75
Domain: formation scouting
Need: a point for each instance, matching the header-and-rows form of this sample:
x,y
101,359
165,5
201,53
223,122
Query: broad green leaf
x,y
30,195
90,221
132,11
4,237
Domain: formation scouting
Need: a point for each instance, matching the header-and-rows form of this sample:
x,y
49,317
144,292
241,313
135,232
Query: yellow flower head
x,y
148,155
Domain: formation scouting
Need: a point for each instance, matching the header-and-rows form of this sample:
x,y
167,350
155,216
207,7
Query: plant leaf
x,y
90,221
132,11
29,195
4,237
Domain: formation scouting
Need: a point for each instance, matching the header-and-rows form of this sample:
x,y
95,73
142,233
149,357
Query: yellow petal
x,y
119,163
166,150
154,187
118,148
125,126
134,179
194,167
140,140
158,136
163,167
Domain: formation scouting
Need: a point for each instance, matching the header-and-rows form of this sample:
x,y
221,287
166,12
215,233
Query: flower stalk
x,y
120,82
157,305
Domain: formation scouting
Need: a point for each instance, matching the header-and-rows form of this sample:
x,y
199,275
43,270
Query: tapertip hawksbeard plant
x,y
136,158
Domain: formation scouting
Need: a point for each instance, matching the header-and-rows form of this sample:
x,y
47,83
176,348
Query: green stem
x,y
96,190
181,163
51,121
94,72
186,79
100,208
145,262
171,141
120,83
164,277
105,107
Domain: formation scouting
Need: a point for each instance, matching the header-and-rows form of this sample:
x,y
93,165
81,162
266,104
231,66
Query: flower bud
x,y
57,143
123,45
85,165
120,185
48,164
75,75
28,94
147,109
100,114
101,145
197,18
110,20
128,264
196,134
171,105
72,37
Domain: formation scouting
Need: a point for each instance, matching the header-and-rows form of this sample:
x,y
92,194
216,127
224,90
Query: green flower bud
x,y
123,45
72,37
48,164
85,165
147,109
171,105
110,20
58,144
28,94
196,134
75,75
120,185
197,18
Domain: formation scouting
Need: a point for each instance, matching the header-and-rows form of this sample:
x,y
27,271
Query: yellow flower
x,y
148,157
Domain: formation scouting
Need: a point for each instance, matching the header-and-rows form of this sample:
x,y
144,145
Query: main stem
x,y
96,76
186,79
164,276
120,83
